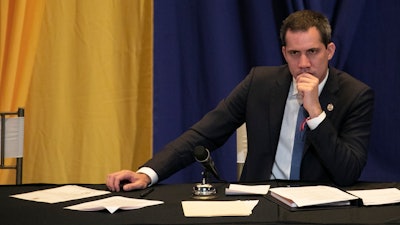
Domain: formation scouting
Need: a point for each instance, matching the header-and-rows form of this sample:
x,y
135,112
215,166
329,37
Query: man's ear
x,y
284,52
331,50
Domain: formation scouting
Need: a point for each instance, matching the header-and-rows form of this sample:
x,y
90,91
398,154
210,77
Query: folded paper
x,y
114,203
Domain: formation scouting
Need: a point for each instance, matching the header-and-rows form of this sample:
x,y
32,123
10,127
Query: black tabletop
x,y
17,211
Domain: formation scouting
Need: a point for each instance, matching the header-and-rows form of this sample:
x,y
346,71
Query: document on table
x,y
239,189
378,196
60,194
218,208
114,203
312,196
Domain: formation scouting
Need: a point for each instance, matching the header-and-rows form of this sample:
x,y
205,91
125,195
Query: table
x,y
16,211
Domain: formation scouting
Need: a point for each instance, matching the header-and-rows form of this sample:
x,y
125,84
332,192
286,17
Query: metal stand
x,y
204,190
18,165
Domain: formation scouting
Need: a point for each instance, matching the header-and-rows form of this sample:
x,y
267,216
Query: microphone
x,y
202,155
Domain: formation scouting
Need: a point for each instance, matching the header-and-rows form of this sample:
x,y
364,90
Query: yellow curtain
x,y
20,22
89,109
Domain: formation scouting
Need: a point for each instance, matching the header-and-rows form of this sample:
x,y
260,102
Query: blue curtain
x,y
203,48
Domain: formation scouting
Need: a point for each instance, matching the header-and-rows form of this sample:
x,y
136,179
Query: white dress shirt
x,y
283,157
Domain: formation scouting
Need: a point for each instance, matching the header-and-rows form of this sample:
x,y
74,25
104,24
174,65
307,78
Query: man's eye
x,y
293,52
312,51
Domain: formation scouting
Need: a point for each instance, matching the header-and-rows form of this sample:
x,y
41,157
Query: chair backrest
x,y
12,140
241,148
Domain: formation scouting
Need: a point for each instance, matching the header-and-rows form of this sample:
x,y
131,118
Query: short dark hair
x,y
305,19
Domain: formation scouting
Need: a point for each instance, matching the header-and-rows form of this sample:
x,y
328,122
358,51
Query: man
x,y
337,128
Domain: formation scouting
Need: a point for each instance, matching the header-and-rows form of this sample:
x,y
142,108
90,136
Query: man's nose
x,y
304,62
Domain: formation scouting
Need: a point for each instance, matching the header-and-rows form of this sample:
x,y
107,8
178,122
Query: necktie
x,y
298,144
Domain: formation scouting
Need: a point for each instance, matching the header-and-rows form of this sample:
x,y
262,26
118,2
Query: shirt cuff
x,y
149,172
314,122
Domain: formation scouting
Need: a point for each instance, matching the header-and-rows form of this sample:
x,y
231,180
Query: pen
x,y
146,192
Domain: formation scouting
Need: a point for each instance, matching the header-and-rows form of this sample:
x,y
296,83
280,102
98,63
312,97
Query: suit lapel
x,y
276,106
328,95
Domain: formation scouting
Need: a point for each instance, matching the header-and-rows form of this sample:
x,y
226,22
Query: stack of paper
x,y
312,196
218,208
239,189
378,196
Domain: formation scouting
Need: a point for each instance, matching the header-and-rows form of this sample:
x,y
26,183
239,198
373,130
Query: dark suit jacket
x,y
335,151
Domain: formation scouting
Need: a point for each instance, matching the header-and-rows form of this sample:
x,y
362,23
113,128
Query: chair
x,y
241,148
12,140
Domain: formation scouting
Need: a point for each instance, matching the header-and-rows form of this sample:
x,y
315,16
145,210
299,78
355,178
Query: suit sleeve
x,y
341,141
212,131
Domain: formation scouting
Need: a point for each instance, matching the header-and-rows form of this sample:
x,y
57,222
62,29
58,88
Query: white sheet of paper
x,y
60,194
240,189
378,196
313,195
114,203
218,208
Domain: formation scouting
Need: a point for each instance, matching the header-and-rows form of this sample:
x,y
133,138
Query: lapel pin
x,y
329,107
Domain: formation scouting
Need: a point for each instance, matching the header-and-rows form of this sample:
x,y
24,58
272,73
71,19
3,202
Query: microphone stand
x,y
204,190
